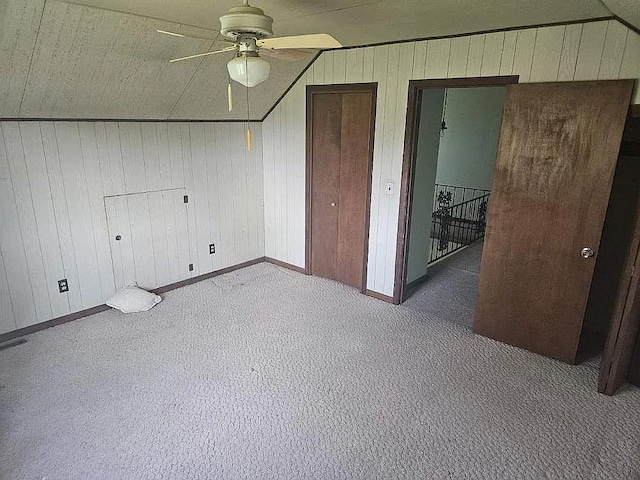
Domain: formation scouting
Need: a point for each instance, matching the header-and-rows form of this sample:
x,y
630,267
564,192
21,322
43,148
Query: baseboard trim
x,y
380,296
289,266
206,276
52,323
103,308
418,281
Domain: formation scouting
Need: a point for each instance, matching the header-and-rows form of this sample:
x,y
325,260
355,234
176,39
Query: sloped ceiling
x,y
103,58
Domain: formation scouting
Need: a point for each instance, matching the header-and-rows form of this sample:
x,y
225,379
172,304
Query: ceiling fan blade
x,y
316,41
181,35
288,54
218,38
198,55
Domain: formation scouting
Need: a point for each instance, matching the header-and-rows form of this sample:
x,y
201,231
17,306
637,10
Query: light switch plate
x,y
389,188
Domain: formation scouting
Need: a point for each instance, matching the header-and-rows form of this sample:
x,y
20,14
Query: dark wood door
x,y
558,149
341,133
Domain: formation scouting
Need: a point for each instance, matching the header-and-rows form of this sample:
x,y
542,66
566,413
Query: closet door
x,y
147,232
339,166
557,154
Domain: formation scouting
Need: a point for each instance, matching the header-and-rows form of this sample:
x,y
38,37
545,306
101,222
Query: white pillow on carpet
x,y
133,299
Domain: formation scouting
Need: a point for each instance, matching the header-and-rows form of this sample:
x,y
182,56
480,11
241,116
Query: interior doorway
x,y
340,128
450,154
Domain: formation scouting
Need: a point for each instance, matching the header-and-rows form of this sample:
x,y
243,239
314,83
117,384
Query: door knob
x,y
333,204
587,252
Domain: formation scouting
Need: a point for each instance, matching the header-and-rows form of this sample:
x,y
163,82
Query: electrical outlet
x,y
191,267
212,249
63,285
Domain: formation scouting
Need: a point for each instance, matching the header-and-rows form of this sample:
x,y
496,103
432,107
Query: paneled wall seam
x,y
55,218
35,217
13,192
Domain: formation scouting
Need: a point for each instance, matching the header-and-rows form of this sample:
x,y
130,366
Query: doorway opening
x,y
453,128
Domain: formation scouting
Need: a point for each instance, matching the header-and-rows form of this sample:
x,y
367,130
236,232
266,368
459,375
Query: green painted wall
x,y
424,182
469,144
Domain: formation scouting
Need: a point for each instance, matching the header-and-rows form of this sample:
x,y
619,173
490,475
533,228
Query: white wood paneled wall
x,y
53,224
589,51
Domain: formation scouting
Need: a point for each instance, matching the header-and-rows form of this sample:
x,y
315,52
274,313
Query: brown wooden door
x,y
341,133
556,158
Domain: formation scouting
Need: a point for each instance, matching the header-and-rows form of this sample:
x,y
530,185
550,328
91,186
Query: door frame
x,y
312,90
409,161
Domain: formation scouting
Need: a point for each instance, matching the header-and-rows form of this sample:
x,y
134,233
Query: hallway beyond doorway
x,y
451,290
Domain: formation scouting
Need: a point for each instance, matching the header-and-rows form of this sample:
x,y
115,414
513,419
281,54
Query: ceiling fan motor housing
x,y
246,21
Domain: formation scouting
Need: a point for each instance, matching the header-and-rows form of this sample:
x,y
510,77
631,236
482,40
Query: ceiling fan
x,y
246,28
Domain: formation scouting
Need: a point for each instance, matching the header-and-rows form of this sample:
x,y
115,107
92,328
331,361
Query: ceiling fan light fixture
x,y
248,70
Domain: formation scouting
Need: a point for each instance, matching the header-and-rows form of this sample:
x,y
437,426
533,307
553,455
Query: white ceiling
x,y
105,60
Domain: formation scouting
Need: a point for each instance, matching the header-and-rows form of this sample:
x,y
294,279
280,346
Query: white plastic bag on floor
x,y
132,299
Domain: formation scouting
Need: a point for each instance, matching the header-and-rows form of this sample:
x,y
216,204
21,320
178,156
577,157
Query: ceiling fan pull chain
x,y
229,96
248,115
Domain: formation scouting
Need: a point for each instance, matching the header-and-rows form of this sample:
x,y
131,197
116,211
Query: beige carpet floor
x,y
266,373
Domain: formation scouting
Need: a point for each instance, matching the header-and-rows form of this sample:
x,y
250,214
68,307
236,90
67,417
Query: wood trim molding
x,y
304,70
103,308
205,276
286,265
52,323
129,120
312,90
484,32
408,161
380,296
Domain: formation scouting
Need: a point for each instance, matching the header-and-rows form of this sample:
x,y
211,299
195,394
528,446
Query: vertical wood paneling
x,y
133,161
459,56
508,52
543,54
389,77
339,66
160,229
492,54
215,161
355,65
185,138
474,61
62,181
569,54
150,156
26,218
525,45
201,203
91,168
7,320
328,67
613,50
369,64
77,201
15,262
318,70
546,55
44,215
590,51
437,58
419,60
61,211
